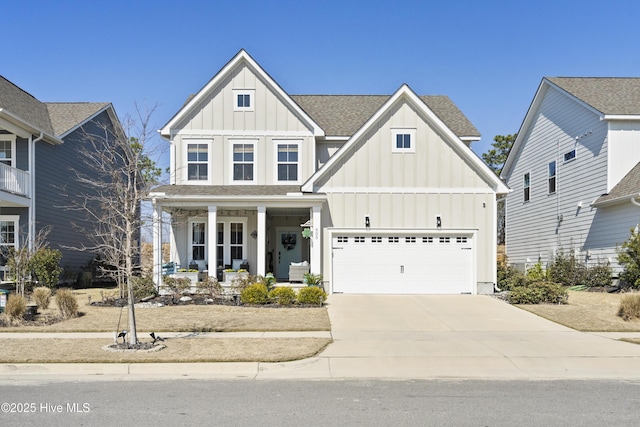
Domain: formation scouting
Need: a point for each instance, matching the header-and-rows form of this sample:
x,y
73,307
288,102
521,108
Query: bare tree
x,y
117,176
19,260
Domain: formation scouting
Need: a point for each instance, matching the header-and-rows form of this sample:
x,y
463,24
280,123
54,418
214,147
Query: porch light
x,y
254,234
367,223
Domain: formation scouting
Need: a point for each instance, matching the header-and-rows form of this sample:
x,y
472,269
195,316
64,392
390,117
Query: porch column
x,y
316,240
262,241
212,241
157,244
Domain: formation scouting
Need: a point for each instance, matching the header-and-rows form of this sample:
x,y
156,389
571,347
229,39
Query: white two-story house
x,y
379,194
574,171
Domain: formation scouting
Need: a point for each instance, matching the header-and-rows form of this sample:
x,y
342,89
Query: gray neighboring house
x,y
39,143
379,194
574,171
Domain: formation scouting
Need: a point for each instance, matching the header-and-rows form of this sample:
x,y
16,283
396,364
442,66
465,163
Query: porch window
x,y
236,240
197,162
243,161
231,240
220,252
287,162
6,150
198,241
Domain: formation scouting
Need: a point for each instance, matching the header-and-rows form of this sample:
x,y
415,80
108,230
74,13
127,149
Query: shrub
x,y
269,280
42,297
45,266
312,295
536,273
210,287
15,308
242,282
176,285
283,295
566,269
539,293
598,275
509,277
255,294
313,279
143,287
630,307
629,259
67,303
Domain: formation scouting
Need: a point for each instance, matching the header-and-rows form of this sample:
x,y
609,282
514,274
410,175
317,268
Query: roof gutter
x,y
634,201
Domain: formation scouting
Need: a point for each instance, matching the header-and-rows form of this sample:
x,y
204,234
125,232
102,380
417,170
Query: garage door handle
x,y
466,249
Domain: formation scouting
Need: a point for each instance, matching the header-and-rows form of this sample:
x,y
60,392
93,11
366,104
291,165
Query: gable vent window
x,y
552,177
243,99
568,156
403,140
526,184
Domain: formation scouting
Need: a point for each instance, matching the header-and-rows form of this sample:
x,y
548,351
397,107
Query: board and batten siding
x,y
624,150
533,228
215,122
408,190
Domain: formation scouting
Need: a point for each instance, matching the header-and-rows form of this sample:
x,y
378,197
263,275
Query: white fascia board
x,y
406,190
22,126
622,117
405,92
470,138
240,56
617,200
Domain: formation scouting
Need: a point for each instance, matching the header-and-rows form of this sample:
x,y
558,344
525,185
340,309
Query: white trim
x,y
633,117
191,222
276,162
226,247
254,144
210,133
405,190
241,56
403,131
564,156
185,150
245,92
16,228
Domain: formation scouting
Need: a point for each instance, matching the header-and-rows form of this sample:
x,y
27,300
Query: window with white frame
x,y
243,162
198,234
243,99
526,185
197,162
7,149
403,140
552,177
231,240
8,239
287,158
570,155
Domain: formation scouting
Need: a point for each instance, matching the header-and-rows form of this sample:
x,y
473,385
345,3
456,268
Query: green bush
x,y
539,293
536,273
630,307
255,294
509,277
67,303
566,269
15,308
143,287
629,259
269,280
42,297
313,279
313,295
283,295
598,275
45,266
210,287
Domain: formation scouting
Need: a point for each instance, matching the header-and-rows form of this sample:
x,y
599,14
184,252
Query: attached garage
x,y
403,262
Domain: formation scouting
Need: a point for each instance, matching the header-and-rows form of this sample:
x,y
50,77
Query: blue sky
x,y
487,56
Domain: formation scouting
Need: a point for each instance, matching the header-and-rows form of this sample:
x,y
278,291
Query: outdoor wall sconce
x,y
367,223
254,234
438,222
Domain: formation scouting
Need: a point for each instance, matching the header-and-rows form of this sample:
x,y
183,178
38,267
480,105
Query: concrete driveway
x,y
462,336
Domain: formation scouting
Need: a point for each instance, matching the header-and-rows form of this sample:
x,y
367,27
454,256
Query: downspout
x,y
32,189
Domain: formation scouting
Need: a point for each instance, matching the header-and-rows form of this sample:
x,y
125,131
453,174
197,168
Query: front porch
x,y
260,239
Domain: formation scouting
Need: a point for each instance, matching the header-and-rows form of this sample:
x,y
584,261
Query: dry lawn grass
x,y
587,312
177,350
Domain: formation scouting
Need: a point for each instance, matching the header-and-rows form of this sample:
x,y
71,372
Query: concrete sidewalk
x,y
404,337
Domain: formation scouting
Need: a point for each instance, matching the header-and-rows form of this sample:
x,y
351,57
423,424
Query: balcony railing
x,y
14,180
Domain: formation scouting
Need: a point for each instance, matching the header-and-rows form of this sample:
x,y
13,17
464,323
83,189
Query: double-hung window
x,y
552,177
287,161
198,232
8,239
243,162
7,148
403,140
526,184
197,162
243,99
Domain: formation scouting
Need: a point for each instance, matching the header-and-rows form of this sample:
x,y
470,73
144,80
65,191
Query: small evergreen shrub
x,y
313,295
629,259
15,308
536,273
566,269
45,266
283,295
255,294
210,287
539,293
630,307
598,275
67,303
509,277
42,297
143,287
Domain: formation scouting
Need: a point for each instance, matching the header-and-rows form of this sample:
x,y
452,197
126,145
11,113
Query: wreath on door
x,y
288,241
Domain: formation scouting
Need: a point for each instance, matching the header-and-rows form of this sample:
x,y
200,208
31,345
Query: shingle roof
x,y
628,186
609,95
227,190
24,106
343,115
67,115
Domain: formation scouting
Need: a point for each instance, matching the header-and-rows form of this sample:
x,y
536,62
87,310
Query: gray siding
x,y
533,231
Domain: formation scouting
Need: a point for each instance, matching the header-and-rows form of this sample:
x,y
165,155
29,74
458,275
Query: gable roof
x,y
405,93
240,57
609,95
68,116
628,187
343,115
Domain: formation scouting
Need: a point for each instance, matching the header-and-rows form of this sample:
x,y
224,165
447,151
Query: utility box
x,y
4,294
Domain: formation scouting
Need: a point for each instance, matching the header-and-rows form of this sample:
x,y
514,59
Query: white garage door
x,y
403,263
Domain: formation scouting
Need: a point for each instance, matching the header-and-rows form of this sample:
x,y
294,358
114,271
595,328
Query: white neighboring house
x,y
574,171
388,192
